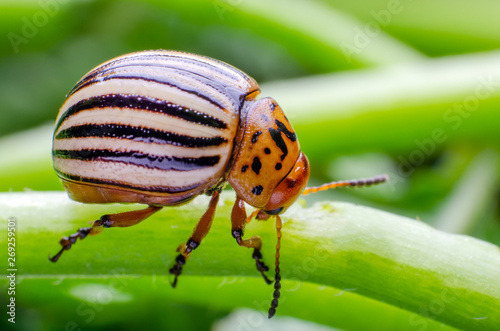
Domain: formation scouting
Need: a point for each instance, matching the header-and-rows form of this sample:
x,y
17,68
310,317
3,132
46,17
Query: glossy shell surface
x,y
154,127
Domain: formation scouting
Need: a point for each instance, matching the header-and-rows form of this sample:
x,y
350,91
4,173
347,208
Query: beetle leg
x,y
252,215
239,220
201,230
124,219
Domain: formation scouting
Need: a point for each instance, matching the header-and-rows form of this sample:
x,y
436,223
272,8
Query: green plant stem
x,y
471,196
335,29
453,279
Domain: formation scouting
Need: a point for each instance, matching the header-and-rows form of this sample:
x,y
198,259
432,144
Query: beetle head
x,y
289,189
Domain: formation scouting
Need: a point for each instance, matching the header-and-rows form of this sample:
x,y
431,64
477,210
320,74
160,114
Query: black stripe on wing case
x,y
140,159
138,134
163,59
156,189
143,103
152,79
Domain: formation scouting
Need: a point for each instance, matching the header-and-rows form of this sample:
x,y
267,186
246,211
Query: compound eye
x,y
289,189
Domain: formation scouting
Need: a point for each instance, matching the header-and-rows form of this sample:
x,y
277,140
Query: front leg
x,y
201,230
238,221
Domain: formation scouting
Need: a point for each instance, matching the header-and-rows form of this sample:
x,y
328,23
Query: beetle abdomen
x,y
155,123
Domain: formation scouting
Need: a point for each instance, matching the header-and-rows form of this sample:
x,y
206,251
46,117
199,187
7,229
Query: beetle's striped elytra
x,y
162,127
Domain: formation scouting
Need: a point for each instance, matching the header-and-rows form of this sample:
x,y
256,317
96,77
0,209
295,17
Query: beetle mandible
x,y
162,127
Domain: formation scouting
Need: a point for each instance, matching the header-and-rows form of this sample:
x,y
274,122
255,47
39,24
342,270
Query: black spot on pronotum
x,y
278,166
273,106
257,190
256,165
244,168
255,136
278,139
267,150
289,134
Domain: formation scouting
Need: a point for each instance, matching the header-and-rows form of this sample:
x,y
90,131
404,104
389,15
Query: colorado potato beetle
x,y
162,127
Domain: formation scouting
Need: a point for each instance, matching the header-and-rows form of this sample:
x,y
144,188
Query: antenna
x,y
352,183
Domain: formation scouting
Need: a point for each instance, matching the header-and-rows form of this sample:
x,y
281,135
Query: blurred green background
x,y
407,88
